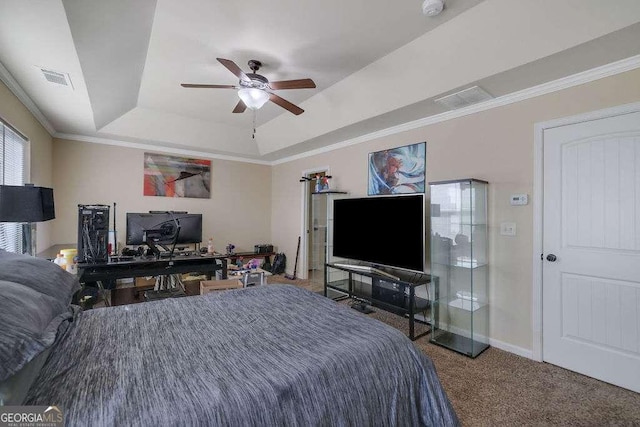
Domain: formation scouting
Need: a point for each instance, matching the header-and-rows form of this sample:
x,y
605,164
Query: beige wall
x,y
238,212
255,204
496,146
40,144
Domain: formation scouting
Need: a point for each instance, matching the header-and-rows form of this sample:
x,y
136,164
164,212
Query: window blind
x,y
12,172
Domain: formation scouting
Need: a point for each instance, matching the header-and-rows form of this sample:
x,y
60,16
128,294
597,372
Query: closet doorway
x,y
316,232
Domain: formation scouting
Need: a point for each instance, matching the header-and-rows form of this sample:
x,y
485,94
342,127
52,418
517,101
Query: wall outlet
x,y
508,228
519,199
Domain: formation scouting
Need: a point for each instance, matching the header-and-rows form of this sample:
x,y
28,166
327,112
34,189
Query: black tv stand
x,y
390,289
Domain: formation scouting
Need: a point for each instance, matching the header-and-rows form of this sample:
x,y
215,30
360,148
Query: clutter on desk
x,y
253,263
264,248
240,265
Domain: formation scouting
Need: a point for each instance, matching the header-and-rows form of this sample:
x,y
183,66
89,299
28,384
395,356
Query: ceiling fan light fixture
x,y
432,7
253,98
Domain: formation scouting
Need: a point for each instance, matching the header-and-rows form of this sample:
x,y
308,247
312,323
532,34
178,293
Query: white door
x,y
591,292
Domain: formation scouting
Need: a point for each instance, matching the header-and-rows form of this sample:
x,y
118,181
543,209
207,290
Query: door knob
x,y
551,258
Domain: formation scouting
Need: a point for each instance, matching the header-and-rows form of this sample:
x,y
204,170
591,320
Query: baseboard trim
x,y
511,348
492,342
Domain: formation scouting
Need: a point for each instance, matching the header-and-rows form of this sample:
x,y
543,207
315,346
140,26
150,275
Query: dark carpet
x,y
499,388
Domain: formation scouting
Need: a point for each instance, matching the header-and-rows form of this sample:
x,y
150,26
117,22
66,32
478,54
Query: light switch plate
x,y
508,228
519,199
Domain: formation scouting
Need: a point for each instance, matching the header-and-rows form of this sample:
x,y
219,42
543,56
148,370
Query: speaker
x,y
93,233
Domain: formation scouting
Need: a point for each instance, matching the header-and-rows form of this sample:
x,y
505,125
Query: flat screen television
x,y
388,230
162,228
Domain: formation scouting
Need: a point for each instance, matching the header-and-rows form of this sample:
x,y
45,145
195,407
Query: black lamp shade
x,y
26,203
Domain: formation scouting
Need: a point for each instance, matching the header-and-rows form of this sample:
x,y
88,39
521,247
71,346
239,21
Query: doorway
x,y
590,245
316,230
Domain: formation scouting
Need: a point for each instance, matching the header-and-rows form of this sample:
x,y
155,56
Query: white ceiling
x,y
376,63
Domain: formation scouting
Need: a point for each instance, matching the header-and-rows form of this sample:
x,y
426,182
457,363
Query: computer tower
x,y
93,233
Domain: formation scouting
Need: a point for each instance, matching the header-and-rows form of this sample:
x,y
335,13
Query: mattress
x,y
268,355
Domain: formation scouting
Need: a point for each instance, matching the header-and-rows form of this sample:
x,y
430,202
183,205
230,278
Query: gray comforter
x,y
270,356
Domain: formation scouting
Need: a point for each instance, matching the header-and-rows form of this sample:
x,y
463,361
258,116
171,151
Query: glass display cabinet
x,y
459,260
319,235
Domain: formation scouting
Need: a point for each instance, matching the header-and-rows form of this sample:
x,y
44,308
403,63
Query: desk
x,y
249,255
51,252
140,267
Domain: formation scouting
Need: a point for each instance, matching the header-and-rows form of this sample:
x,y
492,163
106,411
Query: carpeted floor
x,y
499,388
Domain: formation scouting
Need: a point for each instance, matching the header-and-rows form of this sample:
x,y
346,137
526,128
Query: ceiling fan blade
x,y
293,84
285,104
240,107
231,66
209,86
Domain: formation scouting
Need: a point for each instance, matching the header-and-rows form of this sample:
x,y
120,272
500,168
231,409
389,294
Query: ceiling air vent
x,y
57,78
464,98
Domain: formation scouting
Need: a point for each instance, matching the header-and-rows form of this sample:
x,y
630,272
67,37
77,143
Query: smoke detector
x,y
432,7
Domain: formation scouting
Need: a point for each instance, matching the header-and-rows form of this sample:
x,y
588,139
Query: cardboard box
x,y
207,286
145,282
193,280
192,283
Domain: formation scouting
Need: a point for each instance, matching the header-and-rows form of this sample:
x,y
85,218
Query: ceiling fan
x,y
255,90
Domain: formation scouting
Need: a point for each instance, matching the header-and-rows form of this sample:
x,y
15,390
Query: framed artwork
x,y
171,176
398,170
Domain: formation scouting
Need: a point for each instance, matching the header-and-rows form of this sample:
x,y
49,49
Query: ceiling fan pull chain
x,y
255,113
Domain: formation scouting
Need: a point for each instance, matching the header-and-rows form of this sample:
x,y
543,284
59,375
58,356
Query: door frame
x,y
304,220
538,206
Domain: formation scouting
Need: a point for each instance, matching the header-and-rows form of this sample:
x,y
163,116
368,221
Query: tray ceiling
x,y
376,63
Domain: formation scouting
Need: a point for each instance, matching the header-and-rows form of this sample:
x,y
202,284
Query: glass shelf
x,y
458,256
320,236
466,305
463,264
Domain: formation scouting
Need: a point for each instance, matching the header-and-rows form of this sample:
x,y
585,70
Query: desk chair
x,y
167,286
253,279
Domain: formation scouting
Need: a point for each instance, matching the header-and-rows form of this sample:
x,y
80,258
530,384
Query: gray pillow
x,y
39,274
14,389
29,324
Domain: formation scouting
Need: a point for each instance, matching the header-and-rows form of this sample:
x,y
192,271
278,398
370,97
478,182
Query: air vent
x,y
57,78
464,98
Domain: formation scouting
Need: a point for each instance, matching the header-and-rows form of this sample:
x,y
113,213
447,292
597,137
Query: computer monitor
x,y
162,228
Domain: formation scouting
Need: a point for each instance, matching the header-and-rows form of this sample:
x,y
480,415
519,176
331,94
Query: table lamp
x,y
26,204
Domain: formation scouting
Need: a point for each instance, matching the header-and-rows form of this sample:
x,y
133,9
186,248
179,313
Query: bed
x,y
268,355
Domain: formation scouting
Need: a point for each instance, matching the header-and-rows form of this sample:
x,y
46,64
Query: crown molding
x,y
17,90
157,148
583,77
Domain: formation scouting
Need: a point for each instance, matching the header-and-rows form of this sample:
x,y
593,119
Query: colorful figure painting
x,y
398,170
169,176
